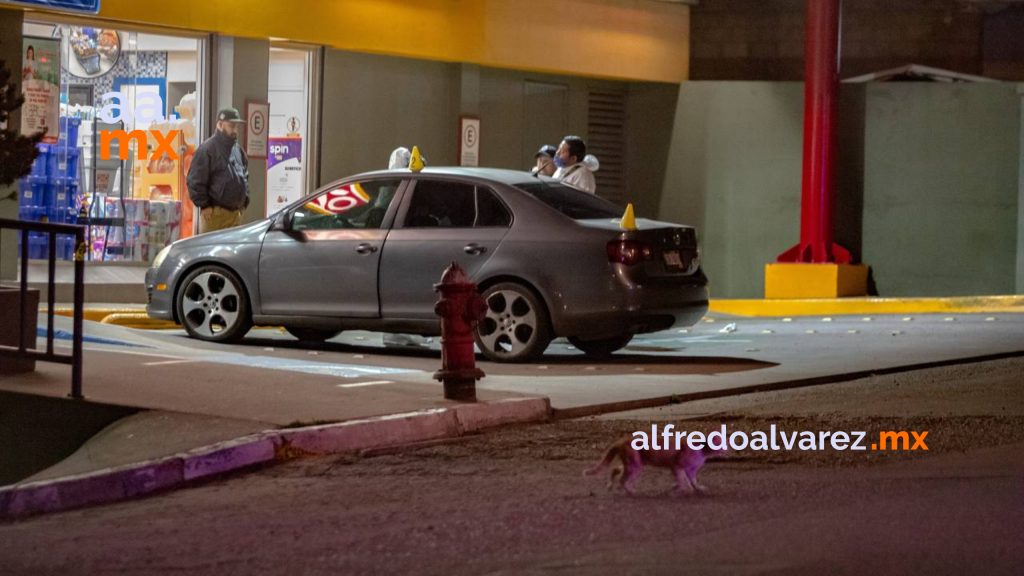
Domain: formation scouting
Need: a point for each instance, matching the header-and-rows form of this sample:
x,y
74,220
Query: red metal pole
x,y
820,88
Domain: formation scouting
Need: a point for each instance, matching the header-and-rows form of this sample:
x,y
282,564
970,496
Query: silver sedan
x,y
364,253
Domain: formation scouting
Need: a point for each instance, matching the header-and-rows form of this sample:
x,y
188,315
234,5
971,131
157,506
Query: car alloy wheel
x,y
213,305
516,326
602,347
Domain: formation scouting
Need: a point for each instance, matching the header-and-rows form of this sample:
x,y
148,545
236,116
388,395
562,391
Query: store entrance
x,y
290,170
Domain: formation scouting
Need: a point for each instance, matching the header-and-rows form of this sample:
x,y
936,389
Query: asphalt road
x,y
514,501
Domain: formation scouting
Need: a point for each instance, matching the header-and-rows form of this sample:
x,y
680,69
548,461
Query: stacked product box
x,y
113,237
136,229
49,193
164,223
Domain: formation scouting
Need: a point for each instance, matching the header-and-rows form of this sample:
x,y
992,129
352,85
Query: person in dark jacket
x,y
218,181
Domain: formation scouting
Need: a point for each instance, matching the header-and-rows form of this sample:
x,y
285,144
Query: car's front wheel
x,y
213,305
516,327
602,347
311,334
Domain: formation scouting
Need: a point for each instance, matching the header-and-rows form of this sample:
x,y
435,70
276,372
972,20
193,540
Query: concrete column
x,y
11,22
240,72
467,101
1020,196
469,90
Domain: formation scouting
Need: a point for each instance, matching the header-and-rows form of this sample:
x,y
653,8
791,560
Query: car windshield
x,y
573,203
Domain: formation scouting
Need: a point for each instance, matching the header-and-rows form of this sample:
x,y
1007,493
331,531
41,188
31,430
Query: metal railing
x,y
22,351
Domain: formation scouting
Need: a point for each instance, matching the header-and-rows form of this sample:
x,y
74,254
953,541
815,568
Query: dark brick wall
x,y
764,39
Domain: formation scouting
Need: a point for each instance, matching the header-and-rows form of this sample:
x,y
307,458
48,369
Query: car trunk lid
x,y
672,248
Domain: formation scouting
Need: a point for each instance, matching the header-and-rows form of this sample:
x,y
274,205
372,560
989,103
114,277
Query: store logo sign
x,y
149,108
164,143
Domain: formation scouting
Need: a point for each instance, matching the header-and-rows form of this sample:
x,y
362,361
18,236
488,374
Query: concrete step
x,y
105,282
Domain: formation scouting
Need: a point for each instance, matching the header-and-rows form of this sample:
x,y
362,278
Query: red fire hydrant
x,y
460,309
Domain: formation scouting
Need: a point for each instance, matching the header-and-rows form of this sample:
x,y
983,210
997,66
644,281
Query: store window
x,y
120,110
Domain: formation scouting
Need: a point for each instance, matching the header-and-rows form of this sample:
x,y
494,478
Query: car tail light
x,y
628,252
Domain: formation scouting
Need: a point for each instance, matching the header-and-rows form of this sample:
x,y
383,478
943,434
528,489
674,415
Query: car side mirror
x,y
283,222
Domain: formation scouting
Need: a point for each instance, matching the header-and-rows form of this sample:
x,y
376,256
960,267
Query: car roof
x,y
504,176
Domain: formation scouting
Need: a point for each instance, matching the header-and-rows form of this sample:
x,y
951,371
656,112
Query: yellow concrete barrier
x,y
96,314
1012,304
138,320
841,306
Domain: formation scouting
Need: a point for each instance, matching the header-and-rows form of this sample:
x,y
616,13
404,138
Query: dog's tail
x,y
609,455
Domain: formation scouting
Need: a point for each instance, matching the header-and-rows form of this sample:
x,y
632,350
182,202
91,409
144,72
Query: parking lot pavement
x,y
513,501
719,354
271,377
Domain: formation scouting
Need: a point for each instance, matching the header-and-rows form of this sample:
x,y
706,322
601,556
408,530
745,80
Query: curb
x,y
841,306
658,401
124,482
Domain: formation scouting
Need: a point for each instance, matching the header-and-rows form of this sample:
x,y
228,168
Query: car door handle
x,y
474,249
365,248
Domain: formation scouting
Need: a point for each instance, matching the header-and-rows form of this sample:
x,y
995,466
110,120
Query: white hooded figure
x,y
591,162
400,158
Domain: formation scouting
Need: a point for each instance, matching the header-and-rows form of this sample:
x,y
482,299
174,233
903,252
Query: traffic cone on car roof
x,y
628,219
416,163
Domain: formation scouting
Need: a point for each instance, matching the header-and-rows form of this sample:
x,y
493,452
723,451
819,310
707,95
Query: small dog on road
x,y
684,463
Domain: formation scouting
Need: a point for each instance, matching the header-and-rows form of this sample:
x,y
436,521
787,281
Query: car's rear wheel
x,y
516,327
602,347
213,305
311,334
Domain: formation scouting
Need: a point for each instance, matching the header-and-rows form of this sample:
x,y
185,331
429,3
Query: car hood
x,y
245,234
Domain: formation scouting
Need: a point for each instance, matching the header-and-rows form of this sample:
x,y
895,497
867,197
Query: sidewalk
x,y
201,418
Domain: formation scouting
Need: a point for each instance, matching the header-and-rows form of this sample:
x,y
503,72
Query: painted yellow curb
x,y
841,306
127,317
135,318
95,314
138,320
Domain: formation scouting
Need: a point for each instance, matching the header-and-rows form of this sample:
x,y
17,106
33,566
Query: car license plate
x,y
672,259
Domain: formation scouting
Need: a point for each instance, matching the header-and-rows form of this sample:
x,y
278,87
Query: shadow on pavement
x,y
553,363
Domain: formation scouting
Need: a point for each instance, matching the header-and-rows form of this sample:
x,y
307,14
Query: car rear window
x,y
573,203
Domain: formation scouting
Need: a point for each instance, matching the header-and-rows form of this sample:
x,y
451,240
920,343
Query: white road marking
x,y
67,346
361,384
168,362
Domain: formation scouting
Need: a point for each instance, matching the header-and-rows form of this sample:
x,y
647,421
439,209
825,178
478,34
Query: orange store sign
x,y
164,143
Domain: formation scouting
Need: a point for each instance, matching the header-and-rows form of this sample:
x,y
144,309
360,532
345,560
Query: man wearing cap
x,y
218,181
545,158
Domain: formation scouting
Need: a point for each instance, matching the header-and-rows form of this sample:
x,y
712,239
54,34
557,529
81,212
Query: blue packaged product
x,y
25,196
69,131
57,193
42,161
38,190
38,245
65,162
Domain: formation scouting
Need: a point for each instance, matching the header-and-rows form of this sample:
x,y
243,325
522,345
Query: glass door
x,y
292,145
